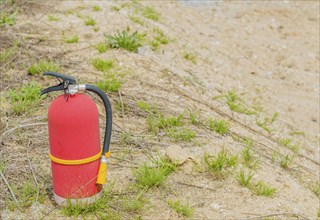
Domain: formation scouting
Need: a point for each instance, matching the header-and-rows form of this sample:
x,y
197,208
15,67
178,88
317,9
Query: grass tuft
x,y
151,13
96,8
190,57
53,18
110,83
134,205
286,161
264,189
42,66
181,134
181,209
288,143
220,126
235,104
243,179
102,65
72,40
89,21
153,175
8,53
147,107
136,19
25,98
125,40
8,19
248,158
316,189
101,47
221,162
267,122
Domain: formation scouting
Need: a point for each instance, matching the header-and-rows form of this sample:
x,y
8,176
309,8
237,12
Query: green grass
x,y
53,18
96,29
89,21
288,143
151,13
161,37
134,205
182,209
286,161
264,189
28,195
190,57
244,179
96,8
25,98
101,47
136,19
110,83
130,42
100,206
248,157
42,66
181,134
316,189
102,65
235,104
8,19
155,122
147,107
220,126
267,122
152,175
72,40
221,162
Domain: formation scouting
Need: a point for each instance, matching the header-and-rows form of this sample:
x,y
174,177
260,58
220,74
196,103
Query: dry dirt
x,y
268,52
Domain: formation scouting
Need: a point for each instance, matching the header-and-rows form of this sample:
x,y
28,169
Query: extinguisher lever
x,y
64,80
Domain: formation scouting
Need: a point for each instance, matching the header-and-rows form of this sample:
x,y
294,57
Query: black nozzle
x,y
63,85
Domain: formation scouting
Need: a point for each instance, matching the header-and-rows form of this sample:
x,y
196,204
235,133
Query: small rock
x,y
177,155
215,206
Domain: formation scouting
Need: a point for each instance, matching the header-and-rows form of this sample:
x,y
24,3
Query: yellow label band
x,y
76,162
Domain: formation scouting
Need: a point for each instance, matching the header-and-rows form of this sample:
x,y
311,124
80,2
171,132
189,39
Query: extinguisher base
x,y
88,200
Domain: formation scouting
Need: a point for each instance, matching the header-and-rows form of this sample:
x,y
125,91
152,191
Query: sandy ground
x,y
268,52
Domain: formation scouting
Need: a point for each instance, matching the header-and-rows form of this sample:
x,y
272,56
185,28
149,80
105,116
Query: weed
x,y
298,133
96,8
25,98
124,40
155,45
153,175
220,162
102,65
171,121
101,47
96,29
190,57
53,18
89,21
134,205
136,19
181,209
72,40
243,179
151,13
115,8
27,194
42,66
100,205
8,53
266,122
6,19
193,118
235,104
288,144
248,158
316,189
264,189
181,134
161,37
110,83
220,126
286,161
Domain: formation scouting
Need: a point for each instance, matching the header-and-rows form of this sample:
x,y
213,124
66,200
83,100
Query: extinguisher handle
x,y
107,105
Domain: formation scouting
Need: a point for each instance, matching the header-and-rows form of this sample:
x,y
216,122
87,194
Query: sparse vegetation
x,y
72,40
110,83
96,8
151,13
89,21
101,47
130,42
244,179
316,189
134,205
235,104
156,122
190,57
102,65
248,158
8,53
264,189
267,122
181,134
25,98
182,209
42,66
147,107
288,143
220,126
286,161
8,19
53,18
136,19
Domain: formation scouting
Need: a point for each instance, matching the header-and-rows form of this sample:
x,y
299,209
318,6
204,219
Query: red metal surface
x,y
74,134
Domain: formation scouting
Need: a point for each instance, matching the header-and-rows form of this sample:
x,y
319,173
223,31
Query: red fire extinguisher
x,y
79,164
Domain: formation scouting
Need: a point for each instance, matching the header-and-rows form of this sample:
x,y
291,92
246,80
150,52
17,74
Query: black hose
x,y
107,105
